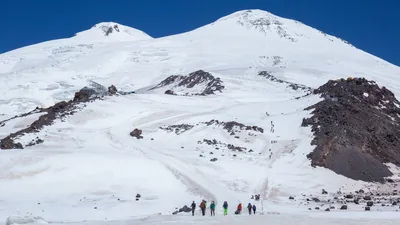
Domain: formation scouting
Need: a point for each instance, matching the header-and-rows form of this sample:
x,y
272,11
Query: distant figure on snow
x,y
225,206
193,206
249,207
203,208
239,209
212,208
254,209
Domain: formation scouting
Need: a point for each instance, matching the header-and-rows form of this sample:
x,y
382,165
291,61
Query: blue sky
x,y
371,25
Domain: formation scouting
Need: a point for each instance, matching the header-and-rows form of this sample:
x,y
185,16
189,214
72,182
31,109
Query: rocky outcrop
x,y
177,129
209,83
290,85
112,90
58,111
231,127
356,129
217,144
136,133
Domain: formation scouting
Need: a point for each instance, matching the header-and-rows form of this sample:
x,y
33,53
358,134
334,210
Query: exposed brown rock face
x,y
356,128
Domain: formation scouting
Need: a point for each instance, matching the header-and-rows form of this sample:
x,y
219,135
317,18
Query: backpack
x,y
202,205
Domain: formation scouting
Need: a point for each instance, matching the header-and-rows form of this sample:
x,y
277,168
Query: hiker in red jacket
x,y
239,209
203,208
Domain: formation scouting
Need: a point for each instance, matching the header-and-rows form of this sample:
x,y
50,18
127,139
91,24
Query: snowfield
x,y
90,169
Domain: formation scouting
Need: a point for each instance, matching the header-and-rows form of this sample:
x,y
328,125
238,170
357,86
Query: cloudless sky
x,y
371,25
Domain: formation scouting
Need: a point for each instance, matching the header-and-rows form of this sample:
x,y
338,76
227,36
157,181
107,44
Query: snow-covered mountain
x,y
220,109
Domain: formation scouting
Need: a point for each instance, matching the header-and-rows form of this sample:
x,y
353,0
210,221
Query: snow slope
x,y
89,168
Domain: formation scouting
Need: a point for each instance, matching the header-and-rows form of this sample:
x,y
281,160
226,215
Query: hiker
x,y
225,206
239,209
203,208
254,209
193,207
212,208
249,207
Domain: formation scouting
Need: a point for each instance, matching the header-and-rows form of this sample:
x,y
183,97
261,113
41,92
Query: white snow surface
x,y
90,160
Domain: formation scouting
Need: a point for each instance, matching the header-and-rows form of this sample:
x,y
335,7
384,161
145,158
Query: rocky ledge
x,y
356,129
207,83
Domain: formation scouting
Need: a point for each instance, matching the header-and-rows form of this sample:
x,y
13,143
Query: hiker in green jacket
x,y
212,208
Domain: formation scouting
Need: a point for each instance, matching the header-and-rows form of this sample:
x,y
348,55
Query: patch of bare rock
x,y
58,111
356,129
208,83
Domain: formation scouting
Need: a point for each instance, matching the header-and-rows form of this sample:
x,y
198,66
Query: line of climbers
x,y
203,206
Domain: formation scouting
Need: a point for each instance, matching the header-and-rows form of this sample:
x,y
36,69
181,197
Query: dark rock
x,y
112,90
169,92
324,192
95,207
178,129
356,148
389,180
213,159
316,200
234,155
367,208
344,207
200,77
361,191
367,198
201,155
332,207
356,201
211,153
293,86
349,196
138,196
136,133
370,203
316,208
231,126
291,198
394,203
327,210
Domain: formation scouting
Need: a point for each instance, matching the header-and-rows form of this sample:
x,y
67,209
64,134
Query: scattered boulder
x,y
394,203
370,203
316,200
327,210
367,208
324,192
213,159
136,133
367,198
291,198
112,90
349,196
169,92
344,207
